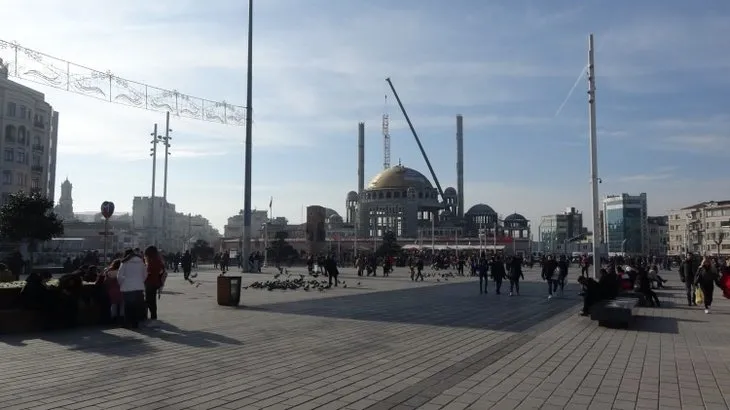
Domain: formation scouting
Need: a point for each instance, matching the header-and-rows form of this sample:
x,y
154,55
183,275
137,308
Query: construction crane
x,y
386,137
418,140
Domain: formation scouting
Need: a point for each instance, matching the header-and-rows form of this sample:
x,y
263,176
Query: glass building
x,y
625,224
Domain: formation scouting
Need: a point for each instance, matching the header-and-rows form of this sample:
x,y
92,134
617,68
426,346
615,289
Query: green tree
x,y
202,250
280,249
389,246
29,218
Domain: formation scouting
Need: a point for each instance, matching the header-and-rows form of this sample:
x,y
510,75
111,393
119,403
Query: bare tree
x,y
719,237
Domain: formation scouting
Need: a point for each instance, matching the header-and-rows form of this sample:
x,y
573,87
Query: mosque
x,y
402,200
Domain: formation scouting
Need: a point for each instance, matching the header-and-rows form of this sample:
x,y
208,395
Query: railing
x,y
36,168
39,124
38,147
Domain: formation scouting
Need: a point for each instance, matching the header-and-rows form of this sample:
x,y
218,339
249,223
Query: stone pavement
x,y
385,343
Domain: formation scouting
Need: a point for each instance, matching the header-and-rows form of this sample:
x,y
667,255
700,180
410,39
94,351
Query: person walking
x,y
515,273
687,272
483,269
548,273
706,279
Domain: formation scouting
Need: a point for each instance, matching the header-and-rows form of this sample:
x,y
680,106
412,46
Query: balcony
x,y
36,168
37,147
39,124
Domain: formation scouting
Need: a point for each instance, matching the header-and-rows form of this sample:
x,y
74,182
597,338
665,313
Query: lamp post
x,y
246,237
153,154
166,142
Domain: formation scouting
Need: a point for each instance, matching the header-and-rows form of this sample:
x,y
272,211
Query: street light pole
x,y
594,154
153,154
246,246
166,142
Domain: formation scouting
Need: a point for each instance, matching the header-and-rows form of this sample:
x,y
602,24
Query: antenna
x,y
386,136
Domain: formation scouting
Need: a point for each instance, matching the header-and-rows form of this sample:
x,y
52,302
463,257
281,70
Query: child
x,y
115,294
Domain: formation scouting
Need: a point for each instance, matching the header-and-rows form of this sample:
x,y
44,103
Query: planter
x,y
9,297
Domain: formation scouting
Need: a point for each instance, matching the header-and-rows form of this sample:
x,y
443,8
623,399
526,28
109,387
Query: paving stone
x,y
377,346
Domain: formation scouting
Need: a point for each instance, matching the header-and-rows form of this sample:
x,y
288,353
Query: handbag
x,y
699,296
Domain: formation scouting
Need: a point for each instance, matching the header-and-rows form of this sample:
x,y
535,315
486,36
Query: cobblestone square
x,y
385,343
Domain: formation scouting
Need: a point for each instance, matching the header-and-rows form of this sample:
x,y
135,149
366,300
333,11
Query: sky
x,y
663,92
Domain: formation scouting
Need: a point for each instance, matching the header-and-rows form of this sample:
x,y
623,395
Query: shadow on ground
x,y
107,341
457,305
659,324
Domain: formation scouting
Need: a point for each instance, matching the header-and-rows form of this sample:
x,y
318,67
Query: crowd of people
x,y
125,292
700,275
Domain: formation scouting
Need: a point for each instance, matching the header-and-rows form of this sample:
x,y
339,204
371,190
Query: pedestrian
x,y
548,273
706,279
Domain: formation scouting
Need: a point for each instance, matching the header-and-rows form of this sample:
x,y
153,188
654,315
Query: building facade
x,y
658,229
29,129
178,229
555,231
626,224
234,226
702,228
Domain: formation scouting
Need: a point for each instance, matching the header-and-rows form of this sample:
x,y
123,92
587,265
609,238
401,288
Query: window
x,y
35,183
5,198
21,135
37,140
23,111
10,112
9,154
10,134
36,161
21,157
7,177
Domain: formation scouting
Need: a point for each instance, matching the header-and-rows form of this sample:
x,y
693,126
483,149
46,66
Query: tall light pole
x,y
246,246
153,154
166,142
594,153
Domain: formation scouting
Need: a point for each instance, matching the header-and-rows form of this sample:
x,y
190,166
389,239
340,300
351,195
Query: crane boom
x,y
418,140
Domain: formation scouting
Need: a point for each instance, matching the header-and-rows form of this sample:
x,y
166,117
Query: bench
x,y
617,312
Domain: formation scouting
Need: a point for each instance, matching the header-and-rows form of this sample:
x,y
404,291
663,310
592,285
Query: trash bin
x,y
229,290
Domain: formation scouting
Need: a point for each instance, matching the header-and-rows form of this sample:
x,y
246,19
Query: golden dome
x,y
399,177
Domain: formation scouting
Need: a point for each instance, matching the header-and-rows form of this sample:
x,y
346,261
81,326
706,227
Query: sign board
x,y
107,209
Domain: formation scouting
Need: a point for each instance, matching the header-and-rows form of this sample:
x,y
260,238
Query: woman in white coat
x,y
131,276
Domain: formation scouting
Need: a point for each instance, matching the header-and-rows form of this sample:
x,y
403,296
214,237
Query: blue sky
x,y
663,96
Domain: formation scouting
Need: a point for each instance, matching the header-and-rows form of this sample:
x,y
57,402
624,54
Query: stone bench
x,y
619,312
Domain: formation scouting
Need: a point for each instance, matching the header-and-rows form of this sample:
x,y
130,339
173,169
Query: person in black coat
x,y
498,272
548,273
644,287
515,274
330,267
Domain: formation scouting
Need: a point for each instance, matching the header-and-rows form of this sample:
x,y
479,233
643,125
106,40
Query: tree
x,y
280,249
29,218
202,250
719,238
390,246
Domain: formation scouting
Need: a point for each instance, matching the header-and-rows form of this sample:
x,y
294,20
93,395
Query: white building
x,y
29,129
178,231
702,228
234,227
